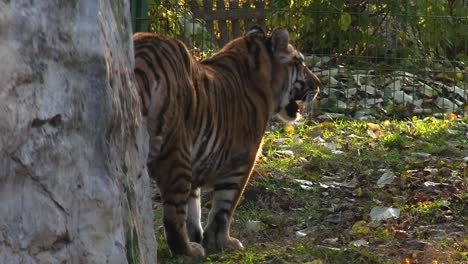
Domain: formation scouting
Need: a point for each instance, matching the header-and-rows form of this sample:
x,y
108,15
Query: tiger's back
x,y
206,121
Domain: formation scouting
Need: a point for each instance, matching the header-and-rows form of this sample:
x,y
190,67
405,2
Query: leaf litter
x,y
372,203
365,201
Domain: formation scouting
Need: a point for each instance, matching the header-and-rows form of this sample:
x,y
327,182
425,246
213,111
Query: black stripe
x,y
223,212
240,72
225,201
221,158
194,233
188,106
185,55
171,46
171,60
208,127
203,144
226,186
225,150
141,90
174,203
221,219
248,44
224,68
146,58
218,110
235,174
186,157
164,153
197,105
164,108
181,191
251,109
180,176
174,239
256,53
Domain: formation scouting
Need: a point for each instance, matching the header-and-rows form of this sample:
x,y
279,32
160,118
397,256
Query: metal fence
x,y
374,58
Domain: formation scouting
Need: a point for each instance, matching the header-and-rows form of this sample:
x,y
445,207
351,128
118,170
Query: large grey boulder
x,y
73,181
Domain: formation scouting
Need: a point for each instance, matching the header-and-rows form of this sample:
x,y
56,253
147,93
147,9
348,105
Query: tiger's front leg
x,y
226,193
194,227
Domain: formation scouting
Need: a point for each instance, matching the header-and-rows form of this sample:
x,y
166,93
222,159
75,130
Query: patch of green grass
x,y
394,140
249,210
339,151
430,128
331,255
427,212
296,253
438,147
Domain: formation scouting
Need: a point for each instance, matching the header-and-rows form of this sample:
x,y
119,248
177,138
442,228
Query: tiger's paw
x,y
232,244
196,250
228,244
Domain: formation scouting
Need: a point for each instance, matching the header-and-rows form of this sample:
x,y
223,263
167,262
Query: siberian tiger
x,y
206,121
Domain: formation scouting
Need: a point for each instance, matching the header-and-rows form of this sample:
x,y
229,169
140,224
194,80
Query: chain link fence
x,y
376,59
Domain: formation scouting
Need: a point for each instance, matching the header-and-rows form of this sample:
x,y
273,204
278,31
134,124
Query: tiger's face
x,y
294,82
303,88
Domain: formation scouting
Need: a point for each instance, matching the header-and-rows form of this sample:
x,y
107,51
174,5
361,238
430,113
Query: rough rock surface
x,y
73,181
383,91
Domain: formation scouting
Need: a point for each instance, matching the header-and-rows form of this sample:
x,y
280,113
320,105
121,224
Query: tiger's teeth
x,y
300,105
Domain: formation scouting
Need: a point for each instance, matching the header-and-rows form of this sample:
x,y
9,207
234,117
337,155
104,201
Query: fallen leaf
x,y
372,126
420,197
406,261
400,234
301,233
305,232
429,183
253,226
359,243
330,241
285,152
383,213
386,178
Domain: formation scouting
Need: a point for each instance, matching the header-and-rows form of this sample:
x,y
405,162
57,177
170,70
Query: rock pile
x,y
376,90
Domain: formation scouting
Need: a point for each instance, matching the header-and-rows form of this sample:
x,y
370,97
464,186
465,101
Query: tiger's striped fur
x,y
206,121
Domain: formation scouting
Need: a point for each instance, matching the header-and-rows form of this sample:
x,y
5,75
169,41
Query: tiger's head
x,y
293,82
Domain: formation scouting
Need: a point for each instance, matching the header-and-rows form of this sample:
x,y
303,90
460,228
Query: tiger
x,y
206,120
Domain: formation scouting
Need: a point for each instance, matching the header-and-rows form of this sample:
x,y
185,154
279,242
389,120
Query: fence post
x,y
223,30
139,9
234,5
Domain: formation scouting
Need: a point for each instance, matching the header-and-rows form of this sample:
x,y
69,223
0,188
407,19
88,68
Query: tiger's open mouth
x,y
292,110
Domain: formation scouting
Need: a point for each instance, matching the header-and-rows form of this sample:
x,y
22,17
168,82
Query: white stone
x,y
402,98
446,105
369,89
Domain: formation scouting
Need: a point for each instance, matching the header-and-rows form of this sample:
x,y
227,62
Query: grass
x,y
342,162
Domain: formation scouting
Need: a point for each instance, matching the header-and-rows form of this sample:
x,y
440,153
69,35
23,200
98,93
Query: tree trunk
x,y
73,180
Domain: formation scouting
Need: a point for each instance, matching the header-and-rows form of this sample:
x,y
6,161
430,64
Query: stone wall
x,y
73,181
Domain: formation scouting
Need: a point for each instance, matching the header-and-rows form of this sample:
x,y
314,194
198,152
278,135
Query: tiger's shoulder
x,y
142,36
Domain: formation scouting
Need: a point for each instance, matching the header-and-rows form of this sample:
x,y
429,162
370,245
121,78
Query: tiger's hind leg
x,y
194,228
173,176
226,193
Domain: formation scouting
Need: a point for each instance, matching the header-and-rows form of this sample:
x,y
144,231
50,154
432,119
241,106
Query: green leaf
x,y
345,21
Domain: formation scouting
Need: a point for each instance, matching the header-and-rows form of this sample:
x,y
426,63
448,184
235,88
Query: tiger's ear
x,y
280,46
256,29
